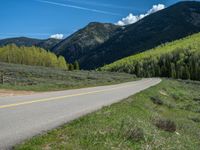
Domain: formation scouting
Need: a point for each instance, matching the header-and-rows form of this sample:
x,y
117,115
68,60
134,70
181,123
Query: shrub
x,y
197,99
195,119
175,97
135,134
165,124
130,130
156,100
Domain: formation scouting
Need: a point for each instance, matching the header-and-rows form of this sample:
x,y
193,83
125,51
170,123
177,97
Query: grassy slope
x,y
110,128
190,42
23,77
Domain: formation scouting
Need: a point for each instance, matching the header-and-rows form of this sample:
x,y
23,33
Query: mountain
x,y
21,41
102,43
172,23
48,43
84,41
24,41
178,59
74,47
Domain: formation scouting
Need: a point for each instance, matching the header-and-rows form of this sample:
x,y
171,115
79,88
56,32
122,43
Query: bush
x,y
195,119
197,99
130,130
156,100
175,97
135,134
165,124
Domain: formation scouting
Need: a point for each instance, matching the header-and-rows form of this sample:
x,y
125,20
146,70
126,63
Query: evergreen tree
x,y
76,65
71,67
173,71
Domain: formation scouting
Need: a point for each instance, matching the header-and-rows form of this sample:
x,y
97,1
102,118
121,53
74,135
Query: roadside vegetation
x,y
166,116
179,59
34,56
22,77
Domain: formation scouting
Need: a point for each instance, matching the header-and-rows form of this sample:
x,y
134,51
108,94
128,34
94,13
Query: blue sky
x,y
43,18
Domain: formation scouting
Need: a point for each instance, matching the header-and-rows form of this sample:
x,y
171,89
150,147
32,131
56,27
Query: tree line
x,y
184,64
34,56
179,59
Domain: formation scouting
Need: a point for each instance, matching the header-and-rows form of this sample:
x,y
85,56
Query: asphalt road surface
x,y
22,117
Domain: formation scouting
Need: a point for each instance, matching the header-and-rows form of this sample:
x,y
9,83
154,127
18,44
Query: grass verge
x,y
162,117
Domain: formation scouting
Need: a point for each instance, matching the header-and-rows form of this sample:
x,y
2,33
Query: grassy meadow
x,y
22,77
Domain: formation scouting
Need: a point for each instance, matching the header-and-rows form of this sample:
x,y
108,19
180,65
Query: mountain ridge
x,y
26,41
172,23
84,40
98,44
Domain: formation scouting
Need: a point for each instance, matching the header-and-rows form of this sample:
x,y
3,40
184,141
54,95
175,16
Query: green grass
x,y
130,124
22,77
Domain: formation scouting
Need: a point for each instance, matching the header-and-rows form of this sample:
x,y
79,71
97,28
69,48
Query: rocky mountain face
x,y
84,41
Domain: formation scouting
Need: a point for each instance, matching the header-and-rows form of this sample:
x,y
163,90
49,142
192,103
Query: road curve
x,y
22,117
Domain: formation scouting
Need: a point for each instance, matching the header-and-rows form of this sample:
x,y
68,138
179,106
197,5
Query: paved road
x,y
22,117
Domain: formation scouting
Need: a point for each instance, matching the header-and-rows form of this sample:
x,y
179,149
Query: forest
x,y
34,56
179,59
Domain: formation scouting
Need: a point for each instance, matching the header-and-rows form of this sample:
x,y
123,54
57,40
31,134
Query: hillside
x,y
178,59
24,41
172,23
79,44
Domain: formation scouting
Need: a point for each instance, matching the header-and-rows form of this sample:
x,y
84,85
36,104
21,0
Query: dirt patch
x,y
4,93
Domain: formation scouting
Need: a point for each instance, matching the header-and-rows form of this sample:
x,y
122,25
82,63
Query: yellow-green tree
x,y
31,56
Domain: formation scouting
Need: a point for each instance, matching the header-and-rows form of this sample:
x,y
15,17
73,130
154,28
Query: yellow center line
x,y
59,97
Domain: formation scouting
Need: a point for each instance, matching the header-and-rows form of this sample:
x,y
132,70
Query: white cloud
x,y
57,36
156,8
130,19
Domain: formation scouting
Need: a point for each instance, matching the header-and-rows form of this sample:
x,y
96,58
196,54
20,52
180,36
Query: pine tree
x,y
71,67
76,65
